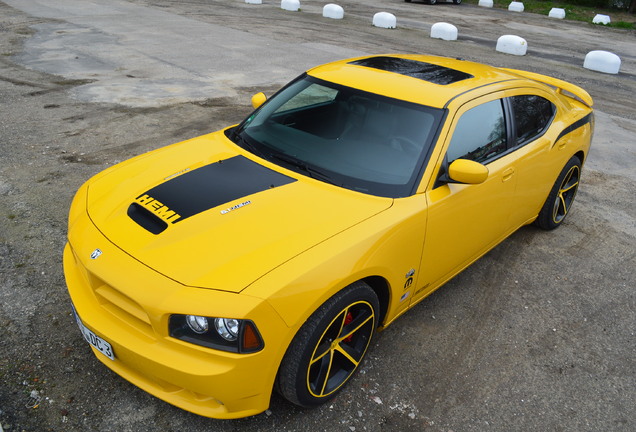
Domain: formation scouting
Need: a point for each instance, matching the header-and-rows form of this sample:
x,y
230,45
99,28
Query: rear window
x,y
532,114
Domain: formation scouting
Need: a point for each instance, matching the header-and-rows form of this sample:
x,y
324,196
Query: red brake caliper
x,y
348,320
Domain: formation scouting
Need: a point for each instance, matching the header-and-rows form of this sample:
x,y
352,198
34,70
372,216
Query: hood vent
x,y
146,219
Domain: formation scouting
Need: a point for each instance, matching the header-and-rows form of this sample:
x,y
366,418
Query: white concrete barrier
x,y
511,44
445,31
516,6
384,20
254,1
290,5
601,19
333,11
557,13
486,3
602,61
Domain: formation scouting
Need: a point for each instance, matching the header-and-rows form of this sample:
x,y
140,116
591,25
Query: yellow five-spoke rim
x,y
340,349
566,194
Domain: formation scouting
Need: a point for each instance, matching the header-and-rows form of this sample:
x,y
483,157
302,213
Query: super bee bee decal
x,y
409,279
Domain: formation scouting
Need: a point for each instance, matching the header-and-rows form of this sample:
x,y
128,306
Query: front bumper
x,y
129,304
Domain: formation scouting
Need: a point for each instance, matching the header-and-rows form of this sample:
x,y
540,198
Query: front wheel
x,y
329,347
457,1
561,197
432,2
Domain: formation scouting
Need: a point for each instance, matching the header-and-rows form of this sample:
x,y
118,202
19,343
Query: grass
x,y
619,19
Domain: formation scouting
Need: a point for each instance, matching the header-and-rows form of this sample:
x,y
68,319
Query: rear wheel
x,y
432,2
561,197
457,1
329,347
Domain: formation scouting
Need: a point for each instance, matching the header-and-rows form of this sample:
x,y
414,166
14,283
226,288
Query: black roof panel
x,y
425,71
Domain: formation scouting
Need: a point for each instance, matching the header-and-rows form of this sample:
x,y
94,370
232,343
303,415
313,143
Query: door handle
x,y
507,174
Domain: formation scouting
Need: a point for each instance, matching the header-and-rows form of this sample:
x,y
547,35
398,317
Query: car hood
x,y
207,214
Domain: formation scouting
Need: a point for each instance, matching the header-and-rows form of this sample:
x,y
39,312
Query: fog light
x,y
227,328
197,324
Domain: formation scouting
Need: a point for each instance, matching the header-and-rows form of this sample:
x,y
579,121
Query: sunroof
x,y
425,71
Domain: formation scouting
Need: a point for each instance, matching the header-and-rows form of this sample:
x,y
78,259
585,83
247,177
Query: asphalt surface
x,y
537,335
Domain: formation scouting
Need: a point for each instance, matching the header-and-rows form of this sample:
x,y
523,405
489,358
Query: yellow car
x,y
266,255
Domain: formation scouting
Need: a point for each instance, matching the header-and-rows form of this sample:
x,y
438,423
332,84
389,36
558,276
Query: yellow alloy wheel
x,y
340,349
559,201
565,197
329,347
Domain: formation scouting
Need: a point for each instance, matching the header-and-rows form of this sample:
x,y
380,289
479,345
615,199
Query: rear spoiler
x,y
560,85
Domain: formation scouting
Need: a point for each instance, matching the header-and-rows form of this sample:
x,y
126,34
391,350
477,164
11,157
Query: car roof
x,y
428,80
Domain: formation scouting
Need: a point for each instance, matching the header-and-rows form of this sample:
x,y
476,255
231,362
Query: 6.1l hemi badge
x,y
238,206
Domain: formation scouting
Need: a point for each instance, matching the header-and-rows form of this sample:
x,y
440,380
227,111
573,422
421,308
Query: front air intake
x,y
146,219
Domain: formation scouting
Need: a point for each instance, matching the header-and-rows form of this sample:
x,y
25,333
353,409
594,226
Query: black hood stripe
x,y
204,188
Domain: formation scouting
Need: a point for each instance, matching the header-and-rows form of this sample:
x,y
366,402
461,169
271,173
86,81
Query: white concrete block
x,y
601,19
384,20
557,13
254,1
516,6
445,31
290,5
602,61
333,11
511,44
486,3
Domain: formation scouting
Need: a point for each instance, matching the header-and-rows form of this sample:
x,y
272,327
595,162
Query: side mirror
x,y
467,171
258,99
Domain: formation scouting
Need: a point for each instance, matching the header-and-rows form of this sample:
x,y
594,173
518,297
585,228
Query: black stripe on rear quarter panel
x,y
213,185
574,126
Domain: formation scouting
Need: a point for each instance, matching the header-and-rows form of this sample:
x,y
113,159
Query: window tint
x,y
532,115
480,133
344,136
313,95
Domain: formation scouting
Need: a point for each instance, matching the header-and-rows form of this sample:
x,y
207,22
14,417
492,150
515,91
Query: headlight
x,y
227,334
197,324
227,328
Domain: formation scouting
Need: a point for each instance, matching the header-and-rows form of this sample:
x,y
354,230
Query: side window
x,y
480,133
532,115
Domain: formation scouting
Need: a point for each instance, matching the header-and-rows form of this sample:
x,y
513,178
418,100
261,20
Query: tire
x,y
457,2
432,2
314,368
408,1
561,197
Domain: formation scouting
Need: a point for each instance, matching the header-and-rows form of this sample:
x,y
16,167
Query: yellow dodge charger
x,y
266,255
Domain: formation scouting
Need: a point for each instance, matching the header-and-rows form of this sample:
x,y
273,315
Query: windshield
x,y
356,140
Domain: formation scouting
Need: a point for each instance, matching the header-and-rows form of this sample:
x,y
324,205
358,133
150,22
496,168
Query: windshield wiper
x,y
283,157
303,166
243,142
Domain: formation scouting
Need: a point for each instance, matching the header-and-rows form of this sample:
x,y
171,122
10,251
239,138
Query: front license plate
x,y
100,344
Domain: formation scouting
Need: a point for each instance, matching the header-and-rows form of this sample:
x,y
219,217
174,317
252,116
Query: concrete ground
x,y
537,335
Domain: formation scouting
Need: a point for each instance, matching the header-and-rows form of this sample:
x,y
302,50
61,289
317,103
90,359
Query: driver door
x,y
466,220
